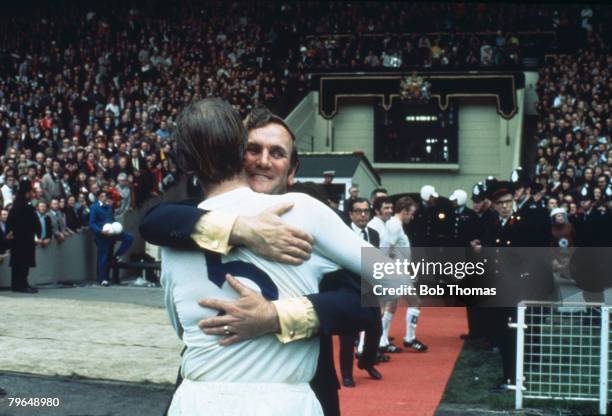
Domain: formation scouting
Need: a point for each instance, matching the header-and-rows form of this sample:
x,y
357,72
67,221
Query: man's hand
x,y
272,238
248,317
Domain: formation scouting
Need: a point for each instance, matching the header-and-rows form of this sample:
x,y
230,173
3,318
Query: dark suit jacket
x,y
24,224
338,306
374,237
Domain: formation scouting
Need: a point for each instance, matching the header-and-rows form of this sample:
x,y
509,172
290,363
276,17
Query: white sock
x,y
361,342
412,318
386,325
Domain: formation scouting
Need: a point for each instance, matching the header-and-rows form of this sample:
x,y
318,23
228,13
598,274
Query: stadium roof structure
x,y
345,165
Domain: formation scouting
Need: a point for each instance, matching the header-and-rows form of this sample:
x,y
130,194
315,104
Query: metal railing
x,y
562,352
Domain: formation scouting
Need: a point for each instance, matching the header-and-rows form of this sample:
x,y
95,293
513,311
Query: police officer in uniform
x,y
421,228
464,220
479,319
505,267
530,207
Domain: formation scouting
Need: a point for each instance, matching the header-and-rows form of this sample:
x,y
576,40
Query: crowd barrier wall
x,y
75,259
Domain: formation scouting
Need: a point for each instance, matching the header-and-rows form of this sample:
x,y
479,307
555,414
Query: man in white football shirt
x,y
383,210
400,248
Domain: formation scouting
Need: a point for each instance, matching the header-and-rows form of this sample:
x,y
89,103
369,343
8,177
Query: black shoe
x,y
382,358
415,345
390,349
374,373
503,387
348,382
25,290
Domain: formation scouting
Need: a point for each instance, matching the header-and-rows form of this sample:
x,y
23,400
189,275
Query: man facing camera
x,y
272,375
359,213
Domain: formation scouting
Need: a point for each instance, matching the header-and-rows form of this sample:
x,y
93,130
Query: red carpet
x,y
412,383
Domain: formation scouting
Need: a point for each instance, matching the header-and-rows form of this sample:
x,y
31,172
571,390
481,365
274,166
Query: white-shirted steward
x,y
263,359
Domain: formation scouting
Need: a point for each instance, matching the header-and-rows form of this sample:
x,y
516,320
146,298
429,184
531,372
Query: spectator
x,y
51,182
72,216
58,225
125,192
4,240
8,191
43,236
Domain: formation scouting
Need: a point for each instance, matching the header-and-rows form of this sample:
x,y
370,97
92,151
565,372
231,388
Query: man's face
x,y
54,204
503,205
518,193
102,197
585,204
42,208
267,159
3,215
354,192
406,215
360,214
386,210
479,206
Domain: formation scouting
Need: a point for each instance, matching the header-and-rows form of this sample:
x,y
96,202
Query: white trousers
x,y
244,399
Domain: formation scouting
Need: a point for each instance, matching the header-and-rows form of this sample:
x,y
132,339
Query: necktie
x,y
365,235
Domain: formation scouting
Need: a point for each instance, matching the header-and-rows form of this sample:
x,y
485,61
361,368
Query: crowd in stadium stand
x,y
88,100
574,153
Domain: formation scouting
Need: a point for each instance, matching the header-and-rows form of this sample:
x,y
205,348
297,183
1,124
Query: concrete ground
x,y
83,397
120,337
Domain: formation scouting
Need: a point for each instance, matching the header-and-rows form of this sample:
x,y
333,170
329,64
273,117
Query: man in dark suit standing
x,y
359,213
22,225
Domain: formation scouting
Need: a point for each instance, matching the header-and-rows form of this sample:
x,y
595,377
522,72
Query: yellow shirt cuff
x,y
297,318
212,231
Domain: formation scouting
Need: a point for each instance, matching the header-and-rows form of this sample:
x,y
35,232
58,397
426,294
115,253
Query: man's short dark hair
x,y
357,200
378,202
404,203
211,140
377,190
312,189
261,117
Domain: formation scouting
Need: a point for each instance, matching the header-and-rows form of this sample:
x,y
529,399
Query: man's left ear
x,y
291,177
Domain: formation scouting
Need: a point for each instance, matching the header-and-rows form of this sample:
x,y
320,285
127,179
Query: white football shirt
x,y
188,276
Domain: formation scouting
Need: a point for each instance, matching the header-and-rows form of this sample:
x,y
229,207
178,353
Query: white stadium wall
x,y
531,95
488,144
